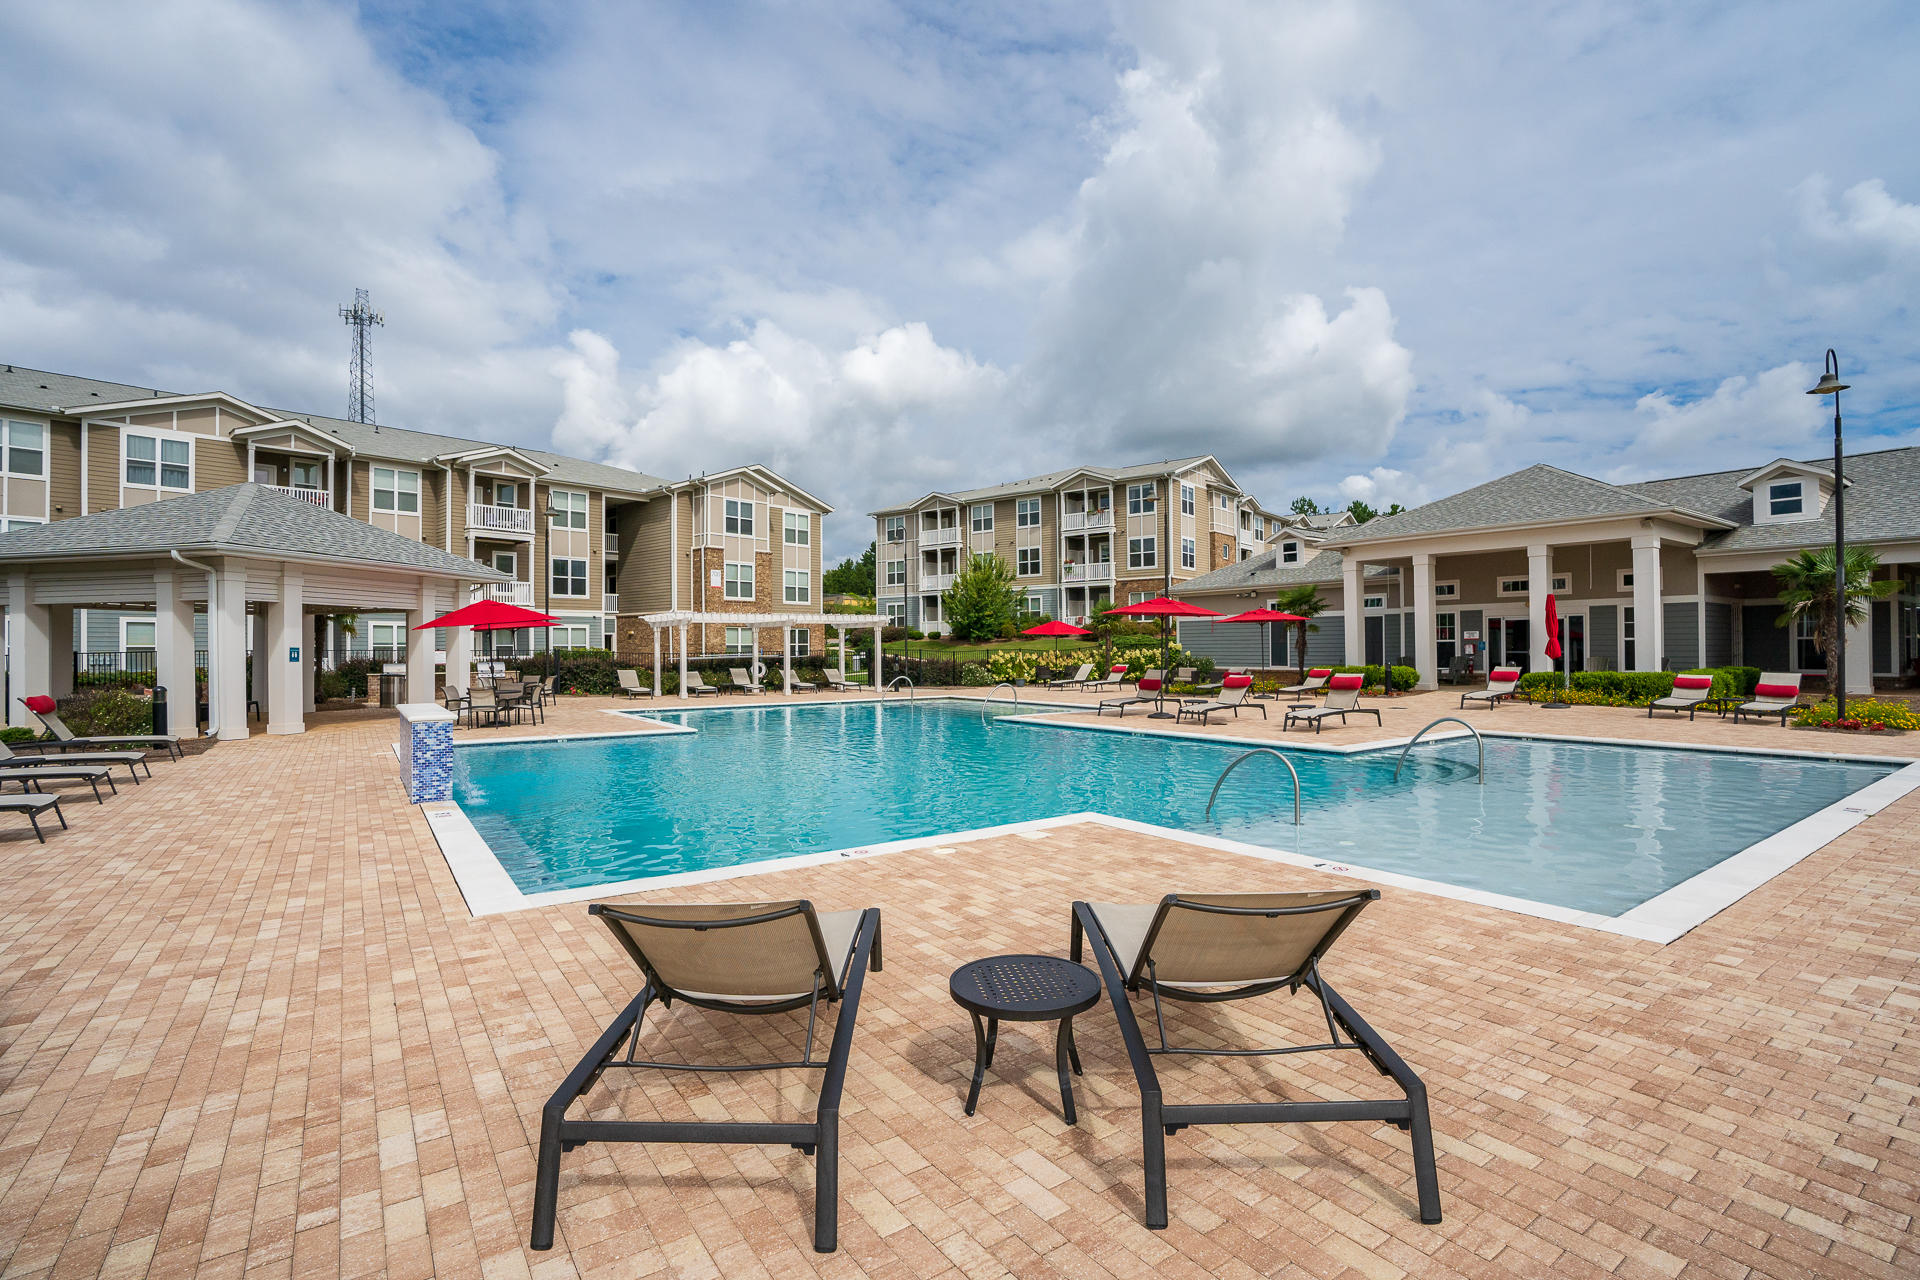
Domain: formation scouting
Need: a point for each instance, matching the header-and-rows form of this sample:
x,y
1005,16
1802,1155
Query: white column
x,y
28,649
1539,584
1352,571
1646,602
173,654
656,659
1858,677
309,648
282,658
1425,653
873,668
753,669
683,662
420,644
227,635
61,650
1700,613
786,659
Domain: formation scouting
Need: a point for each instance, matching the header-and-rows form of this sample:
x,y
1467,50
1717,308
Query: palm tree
x,y
1806,589
1306,602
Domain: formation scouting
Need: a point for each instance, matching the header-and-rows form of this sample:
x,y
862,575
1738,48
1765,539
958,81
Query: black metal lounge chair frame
x,y
1488,696
1201,710
1160,1120
29,780
1318,716
819,1139
1747,709
33,816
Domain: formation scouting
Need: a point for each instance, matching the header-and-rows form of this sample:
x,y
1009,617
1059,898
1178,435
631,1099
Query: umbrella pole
x,y
1160,711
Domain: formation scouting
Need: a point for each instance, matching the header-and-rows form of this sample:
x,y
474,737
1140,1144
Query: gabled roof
x,y
1264,571
295,427
1790,467
1883,505
240,519
1052,480
766,475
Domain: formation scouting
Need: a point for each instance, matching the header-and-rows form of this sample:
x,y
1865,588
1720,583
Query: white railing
x,y
318,497
520,593
931,582
1098,571
940,537
612,604
499,519
1086,520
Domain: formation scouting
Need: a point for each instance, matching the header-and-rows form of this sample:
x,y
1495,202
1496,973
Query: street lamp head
x,y
1829,385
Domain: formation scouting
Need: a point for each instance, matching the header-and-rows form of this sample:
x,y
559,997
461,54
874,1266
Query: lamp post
x,y
1830,385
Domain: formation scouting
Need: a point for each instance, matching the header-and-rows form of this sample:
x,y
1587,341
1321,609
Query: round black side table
x,y
1024,989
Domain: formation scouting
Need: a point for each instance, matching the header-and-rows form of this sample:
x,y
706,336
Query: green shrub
x,y
587,671
329,685
106,711
356,672
975,673
1403,678
1868,714
16,733
1598,688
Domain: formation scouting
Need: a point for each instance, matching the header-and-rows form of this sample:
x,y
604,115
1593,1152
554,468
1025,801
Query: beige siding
x,y
217,462
63,469
644,572
103,468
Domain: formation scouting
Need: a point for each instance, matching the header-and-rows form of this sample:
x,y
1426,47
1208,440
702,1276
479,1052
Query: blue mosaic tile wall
x,y
430,768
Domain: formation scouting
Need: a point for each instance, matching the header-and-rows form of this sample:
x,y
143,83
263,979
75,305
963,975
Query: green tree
x,y
1807,590
1303,601
850,577
981,600
1360,511
1304,506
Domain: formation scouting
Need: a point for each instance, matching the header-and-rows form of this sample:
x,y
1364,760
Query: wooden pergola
x,y
683,619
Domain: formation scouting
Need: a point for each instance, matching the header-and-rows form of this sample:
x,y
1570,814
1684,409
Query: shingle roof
x,y
1883,503
1266,571
1538,493
1052,479
60,393
238,519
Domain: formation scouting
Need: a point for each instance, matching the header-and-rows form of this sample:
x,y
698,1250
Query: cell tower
x,y
361,317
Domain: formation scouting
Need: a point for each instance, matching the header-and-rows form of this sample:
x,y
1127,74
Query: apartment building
x,y
576,539
1074,538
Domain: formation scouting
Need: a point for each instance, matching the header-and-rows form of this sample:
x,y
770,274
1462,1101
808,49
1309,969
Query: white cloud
x,y
1745,417
1866,222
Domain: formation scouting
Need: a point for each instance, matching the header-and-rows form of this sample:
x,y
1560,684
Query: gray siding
x,y
1392,633
1327,647
1719,635
101,633
1234,646
1603,637
1681,621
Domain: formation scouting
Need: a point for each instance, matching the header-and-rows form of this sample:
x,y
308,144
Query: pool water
x,y
1592,827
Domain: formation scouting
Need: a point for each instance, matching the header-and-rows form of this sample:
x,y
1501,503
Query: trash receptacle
x,y
393,679
159,709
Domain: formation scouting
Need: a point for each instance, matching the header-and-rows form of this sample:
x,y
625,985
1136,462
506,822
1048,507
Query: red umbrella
x,y
1056,629
1263,617
490,615
1553,628
1162,608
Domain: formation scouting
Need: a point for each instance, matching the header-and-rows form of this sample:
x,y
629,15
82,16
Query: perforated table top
x,y
1025,988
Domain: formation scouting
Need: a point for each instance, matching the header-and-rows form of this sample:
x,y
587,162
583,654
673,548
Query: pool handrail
x,y
988,697
1239,760
891,684
1480,774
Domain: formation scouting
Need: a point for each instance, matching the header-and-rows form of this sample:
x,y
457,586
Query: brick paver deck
x,y
248,1027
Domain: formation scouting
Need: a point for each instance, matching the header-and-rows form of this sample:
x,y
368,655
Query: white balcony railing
x,y
932,582
612,604
1073,520
318,497
520,593
940,537
1098,571
499,519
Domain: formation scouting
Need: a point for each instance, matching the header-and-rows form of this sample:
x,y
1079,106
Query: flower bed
x,y
1864,715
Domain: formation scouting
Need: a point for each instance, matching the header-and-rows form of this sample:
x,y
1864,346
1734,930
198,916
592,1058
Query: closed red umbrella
x,y
1162,608
1553,640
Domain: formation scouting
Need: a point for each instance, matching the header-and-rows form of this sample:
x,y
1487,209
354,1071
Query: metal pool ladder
x,y
895,683
1004,684
1481,775
1240,760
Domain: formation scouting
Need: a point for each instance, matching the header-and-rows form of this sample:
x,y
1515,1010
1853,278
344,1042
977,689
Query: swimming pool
x,y
1589,827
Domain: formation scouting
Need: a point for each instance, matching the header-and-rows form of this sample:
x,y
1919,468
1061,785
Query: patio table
x,y
1024,988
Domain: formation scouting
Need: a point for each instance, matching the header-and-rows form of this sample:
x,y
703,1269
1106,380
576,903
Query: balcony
x,y
1097,571
318,497
933,583
1072,520
492,519
940,537
612,604
520,593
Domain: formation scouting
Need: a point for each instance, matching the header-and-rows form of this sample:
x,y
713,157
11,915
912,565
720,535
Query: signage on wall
x,y
713,578
1469,635
293,653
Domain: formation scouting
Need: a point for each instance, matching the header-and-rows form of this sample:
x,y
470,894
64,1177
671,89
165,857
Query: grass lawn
x,y
967,652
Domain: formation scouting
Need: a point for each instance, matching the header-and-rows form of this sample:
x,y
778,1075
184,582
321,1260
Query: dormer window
x,y
1786,498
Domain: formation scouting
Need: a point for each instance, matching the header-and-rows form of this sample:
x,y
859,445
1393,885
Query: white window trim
x,y
1024,555
726,586
1186,500
796,522
1189,554
585,578
978,512
796,592
1026,513
568,510
1560,583
728,641
901,581
1809,497
1500,588
1152,558
1623,580
1374,604
374,491
150,621
891,523
159,464
1290,552
1147,495
800,642
1452,592
745,511
46,442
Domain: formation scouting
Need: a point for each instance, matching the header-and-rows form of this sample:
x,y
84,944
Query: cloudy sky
x,y
1384,250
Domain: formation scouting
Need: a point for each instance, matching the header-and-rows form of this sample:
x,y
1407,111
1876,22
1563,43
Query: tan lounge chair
x,y
65,739
837,680
1112,680
744,682
1150,686
751,958
1777,693
697,685
1688,693
33,806
1077,678
1315,682
31,779
630,683
1502,684
134,760
1233,696
1343,700
1236,946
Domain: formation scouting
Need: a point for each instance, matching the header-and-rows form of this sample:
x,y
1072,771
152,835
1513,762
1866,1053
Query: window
x,y
26,448
571,635
739,639
1513,586
566,510
1373,602
21,522
506,493
157,461
1806,647
1026,513
1186,553
136,633
1139,597
507,562
739,517
1033,604
569,578
388,640
1561,583
1142,553
1259,526
1443,627
1626,640
896,573
896,612
306,474
1226,503
799,586
1784,498
738,581
797,528
1027,562
1449,590
983,517
1141,499
1289,553
801,643
1186,499
896,528
1626,580
396,490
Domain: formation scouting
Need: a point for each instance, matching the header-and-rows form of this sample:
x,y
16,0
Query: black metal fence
x,y
121,666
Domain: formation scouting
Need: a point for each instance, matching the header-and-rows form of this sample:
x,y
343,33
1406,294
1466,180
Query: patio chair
x,y
134,760
1502,684
743,681
483,702
1343,700
43,709
1233,696
630,683
1688,693
33,806
1236,946
1459,671
1077,678
1209,690
837,681
753,958
1315,682
548,695
1777,693
1183,675
526,701
697,685
1112,680
30,779
1149,692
